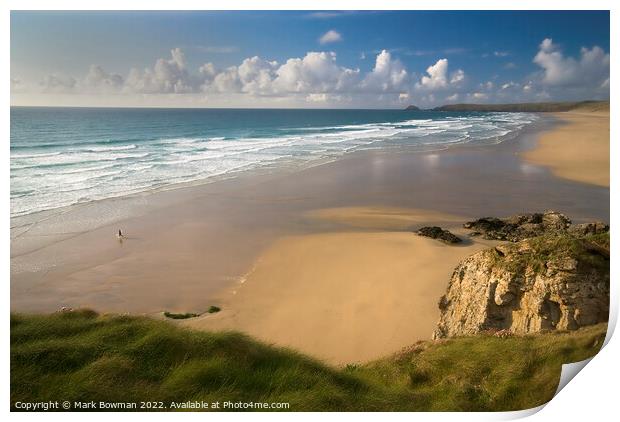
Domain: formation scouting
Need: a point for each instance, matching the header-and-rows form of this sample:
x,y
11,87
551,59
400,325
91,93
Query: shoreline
x,y
189,248
578,149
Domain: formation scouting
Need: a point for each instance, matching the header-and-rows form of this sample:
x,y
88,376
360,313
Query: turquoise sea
x,y
64,156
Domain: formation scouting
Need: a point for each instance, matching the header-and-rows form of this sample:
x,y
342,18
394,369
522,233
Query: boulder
x,y
438,233
519,227
588,228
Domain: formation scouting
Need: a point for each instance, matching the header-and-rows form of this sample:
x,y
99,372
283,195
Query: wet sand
x,y
346,224
577,150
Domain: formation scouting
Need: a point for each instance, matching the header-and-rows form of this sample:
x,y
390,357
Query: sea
x,y
65,156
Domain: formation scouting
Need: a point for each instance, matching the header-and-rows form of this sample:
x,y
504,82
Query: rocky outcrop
x,y
588,228
553,282
524,226
518,227
438,233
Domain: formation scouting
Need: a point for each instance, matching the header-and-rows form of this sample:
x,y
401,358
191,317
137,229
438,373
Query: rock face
x,y
523,226
588,228
553,282
438,233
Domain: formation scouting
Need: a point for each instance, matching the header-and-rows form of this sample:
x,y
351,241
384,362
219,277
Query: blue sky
x,y
365,59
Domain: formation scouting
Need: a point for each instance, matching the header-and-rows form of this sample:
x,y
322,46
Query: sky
x,y
347,59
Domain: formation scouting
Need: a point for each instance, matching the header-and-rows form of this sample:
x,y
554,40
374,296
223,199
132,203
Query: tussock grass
x,y
82,356
557,246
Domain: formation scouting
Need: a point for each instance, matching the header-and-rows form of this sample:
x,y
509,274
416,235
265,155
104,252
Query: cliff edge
x,y
555,281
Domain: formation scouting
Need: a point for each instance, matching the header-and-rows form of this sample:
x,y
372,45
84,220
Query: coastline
x,y
189,248
578,149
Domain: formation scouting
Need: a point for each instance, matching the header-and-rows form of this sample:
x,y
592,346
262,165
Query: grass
x,y
530,107
213,309
557,246
82,356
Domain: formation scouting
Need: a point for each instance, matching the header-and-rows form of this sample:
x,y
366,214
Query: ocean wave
x,y
41,155
106,149
71,171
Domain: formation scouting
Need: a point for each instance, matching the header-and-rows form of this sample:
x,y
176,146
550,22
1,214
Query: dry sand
x,y
577,150
345,296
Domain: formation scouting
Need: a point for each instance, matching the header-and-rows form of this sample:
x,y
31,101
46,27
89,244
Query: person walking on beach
x,y
120,234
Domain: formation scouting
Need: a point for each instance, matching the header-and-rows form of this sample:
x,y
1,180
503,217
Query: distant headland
x,y
524,107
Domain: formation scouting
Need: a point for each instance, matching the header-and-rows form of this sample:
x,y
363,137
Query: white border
x,y
591,395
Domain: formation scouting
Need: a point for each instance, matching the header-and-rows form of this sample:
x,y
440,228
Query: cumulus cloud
x,y
330,36
58,83
253,76
317,78
99,80
388,74
437,77
592,67
316,72
166,76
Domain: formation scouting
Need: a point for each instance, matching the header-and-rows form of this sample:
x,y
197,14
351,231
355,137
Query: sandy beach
x,y
346,296
578,149
322,259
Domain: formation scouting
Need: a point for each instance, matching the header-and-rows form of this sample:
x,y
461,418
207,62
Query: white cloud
x,y
58,83
592,67
323,98
437,77
316,72
256,75
167,76
207,71
98,80
17,85
330,37
509,85
457,77
317,78
388,75
478,96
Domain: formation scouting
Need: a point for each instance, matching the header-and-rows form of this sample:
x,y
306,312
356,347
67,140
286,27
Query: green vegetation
x,y
529,107
81,356
180,316
591,251
213,309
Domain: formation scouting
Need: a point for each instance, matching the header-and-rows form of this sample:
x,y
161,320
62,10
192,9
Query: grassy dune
x,y
530,107
82,356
